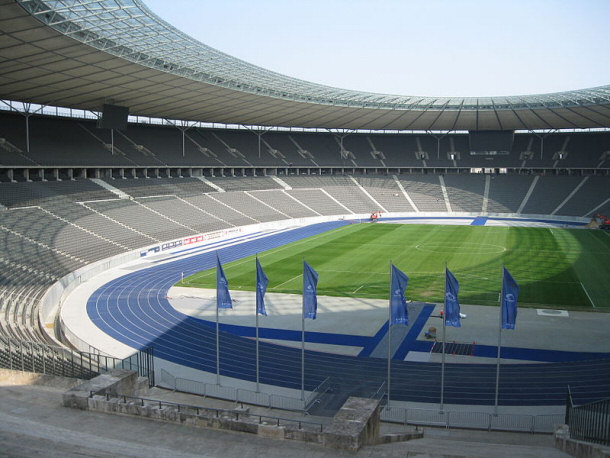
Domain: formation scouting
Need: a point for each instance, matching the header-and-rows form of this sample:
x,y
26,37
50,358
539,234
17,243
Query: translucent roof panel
x,y
129,30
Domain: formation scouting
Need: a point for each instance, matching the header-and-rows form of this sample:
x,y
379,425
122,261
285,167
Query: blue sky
x,y
409,47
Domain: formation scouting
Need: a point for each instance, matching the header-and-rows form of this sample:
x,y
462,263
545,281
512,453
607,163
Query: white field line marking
x,y
590,300
364,284
287,281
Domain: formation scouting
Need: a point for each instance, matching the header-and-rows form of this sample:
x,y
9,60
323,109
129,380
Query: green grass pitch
x,y
565,268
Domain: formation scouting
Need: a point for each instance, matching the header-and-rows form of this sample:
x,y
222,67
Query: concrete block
x,y
356,424
271,431
400,437
303,435
76,400
579,449
114,383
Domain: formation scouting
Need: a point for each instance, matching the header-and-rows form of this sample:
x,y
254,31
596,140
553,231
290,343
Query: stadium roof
x,y
82,53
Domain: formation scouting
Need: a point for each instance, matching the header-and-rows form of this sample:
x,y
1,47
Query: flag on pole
x,y
223,298
452,304
310,300
398,303
510,294
261,288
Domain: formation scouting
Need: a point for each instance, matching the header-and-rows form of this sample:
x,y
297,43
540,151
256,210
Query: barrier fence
x,y
406,416
199,410
589,422
47,359
275,401
472,419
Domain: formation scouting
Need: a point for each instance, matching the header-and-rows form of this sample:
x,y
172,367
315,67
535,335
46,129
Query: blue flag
x,y
510,294
223,298
398,303
452,304
261,287
310,300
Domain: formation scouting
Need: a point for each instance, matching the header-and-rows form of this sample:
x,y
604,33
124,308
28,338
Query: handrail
x,y
588,422
380,393
472,419
182,407
317,393
43,358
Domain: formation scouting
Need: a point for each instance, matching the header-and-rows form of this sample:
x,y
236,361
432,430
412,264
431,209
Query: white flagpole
x,y
389,333
444,318
217,348
499,347
303,340
257,368
302,356
256,313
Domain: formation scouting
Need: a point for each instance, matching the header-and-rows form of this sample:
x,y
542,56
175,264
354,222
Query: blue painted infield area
x,y
479,221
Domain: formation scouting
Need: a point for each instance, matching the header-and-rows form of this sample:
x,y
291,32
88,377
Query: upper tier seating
x,y
79,143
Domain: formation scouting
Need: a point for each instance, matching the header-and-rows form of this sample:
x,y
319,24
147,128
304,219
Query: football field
x,y
556,268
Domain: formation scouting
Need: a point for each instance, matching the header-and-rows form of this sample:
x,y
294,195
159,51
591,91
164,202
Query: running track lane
x,y
134,310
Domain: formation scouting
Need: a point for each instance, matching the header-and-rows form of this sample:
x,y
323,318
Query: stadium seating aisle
x,y
141,219
506,192
44,227
591,198
385,191
282,202
341,188
86,218
319,201
465,192
246,204
425,190
550,192
180,210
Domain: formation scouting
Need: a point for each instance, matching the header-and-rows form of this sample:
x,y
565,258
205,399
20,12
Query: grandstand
x,y
78,200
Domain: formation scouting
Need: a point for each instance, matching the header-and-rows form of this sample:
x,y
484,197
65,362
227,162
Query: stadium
x,y
134,160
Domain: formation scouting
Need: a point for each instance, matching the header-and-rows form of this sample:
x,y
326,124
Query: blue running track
x,y
134,310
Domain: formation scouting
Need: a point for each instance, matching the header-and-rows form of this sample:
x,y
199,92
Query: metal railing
x,y
472,419
274,401
215,412
317,393
380,393
406,416
589,422
47,359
